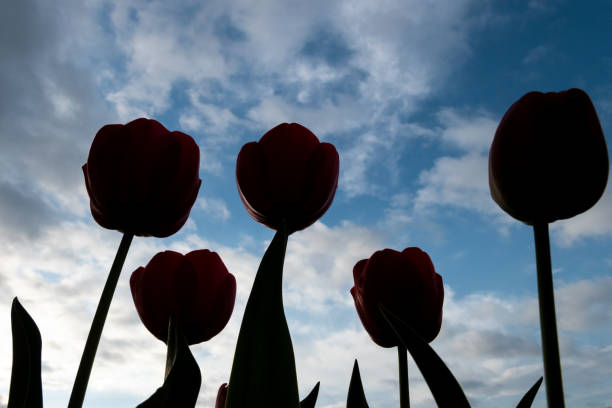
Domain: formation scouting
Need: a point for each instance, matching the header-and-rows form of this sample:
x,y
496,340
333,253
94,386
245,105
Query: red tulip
x,y
548,160
407,285
142,178
196,289
288,176
221,396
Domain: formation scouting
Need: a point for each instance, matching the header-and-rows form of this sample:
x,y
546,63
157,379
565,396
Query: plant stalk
x,y
402,358
548,320
93,339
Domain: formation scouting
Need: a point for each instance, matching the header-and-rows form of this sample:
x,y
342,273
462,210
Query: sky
x,y
410,92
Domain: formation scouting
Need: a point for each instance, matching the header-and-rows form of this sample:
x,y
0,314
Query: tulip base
x,y
548,320
93,339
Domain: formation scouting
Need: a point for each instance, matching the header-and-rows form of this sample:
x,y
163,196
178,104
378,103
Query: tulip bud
x,y
195,288
548,160
142,178
288,176
407,285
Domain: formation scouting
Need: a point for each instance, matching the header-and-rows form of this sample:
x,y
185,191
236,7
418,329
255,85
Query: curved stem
x,y
402,358
548,320
91,346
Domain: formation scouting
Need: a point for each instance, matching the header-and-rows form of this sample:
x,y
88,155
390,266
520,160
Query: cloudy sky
x,y
409,91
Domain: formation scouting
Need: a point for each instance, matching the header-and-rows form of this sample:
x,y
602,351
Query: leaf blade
x,y
263,370
445,389
26,384
356,395
528,398
182,380
311,398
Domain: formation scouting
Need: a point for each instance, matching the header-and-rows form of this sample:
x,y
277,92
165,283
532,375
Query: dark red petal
x,y
320,183
214,304
252,182
103,174
154,292
358,270
286,149
379,334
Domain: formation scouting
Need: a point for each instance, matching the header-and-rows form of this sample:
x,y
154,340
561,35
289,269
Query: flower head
x,y
288,176
142,178
548,160
196,289
407,285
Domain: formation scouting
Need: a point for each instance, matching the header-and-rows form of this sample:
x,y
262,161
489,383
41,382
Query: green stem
x,y
91,346
402,358
548,320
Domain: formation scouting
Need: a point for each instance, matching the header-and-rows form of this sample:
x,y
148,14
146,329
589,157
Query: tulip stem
x,y
548,321
89,353
402,358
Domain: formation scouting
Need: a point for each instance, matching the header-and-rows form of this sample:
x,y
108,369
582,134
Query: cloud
x,y
49,112
489,340
233,70
472,132
214,207
318,278
536,54
594,223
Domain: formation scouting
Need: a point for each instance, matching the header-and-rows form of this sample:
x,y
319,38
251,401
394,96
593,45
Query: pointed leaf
x,y
263,371
26,384
311,399
445,389
183,378
356,396
528,398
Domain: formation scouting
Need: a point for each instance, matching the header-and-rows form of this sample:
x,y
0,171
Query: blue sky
x,y
410,92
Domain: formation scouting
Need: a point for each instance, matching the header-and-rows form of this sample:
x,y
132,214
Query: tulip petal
x,y
250,176
320,183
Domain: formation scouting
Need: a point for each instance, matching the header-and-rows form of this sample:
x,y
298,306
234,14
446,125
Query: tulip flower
x,y
407,285
288,176
548,160
221,396
141,178
196,289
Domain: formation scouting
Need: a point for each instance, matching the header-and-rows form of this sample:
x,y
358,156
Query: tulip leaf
x,y
311,398
26,384
445,389
183,378
263,371
356,396
528,398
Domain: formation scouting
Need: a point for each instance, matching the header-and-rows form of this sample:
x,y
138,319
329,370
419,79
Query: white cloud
x,y
318,278
472,133
536,54
595,222
214,207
